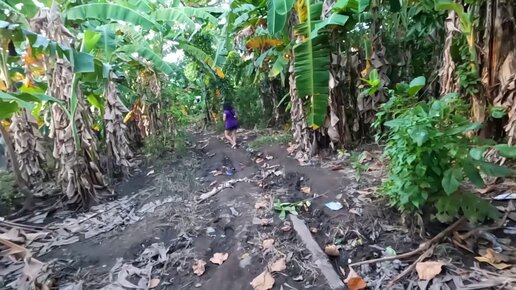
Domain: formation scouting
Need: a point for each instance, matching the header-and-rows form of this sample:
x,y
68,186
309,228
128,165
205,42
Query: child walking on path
x,y
231,123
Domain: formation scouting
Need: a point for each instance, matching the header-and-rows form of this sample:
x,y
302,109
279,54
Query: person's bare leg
x,y
234,136
228,136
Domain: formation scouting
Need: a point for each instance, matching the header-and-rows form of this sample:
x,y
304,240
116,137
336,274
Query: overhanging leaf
x,y
451,180
184,16
109,11
494,170
416,85
506,150
7,109
334,19
151,56
277,14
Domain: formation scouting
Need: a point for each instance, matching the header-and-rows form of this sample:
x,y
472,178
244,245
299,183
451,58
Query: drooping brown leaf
x,y
268,244
263,42
428,270
354,281
264,281
279,265
219,258
262,221
199,267
332,250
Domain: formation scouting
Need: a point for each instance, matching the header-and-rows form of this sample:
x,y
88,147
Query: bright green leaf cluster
x,y
431,157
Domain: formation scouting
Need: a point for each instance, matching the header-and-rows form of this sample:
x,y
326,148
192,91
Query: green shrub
x,y
158,145
8,192
430,157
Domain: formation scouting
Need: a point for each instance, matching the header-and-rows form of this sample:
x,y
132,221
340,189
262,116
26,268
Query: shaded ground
x,y
152,235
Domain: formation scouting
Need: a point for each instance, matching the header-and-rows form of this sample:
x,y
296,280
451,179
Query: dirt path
x,y
156,231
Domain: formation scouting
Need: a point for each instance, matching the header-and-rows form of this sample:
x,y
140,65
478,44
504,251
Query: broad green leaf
x,y
7,109
419,135
83,63
151,56
184,16
334,19
28,9
416,85
494,170
356,6
277,14
451,180
91,38
464,129
108,11
473,174
395,5
506,150
497,112
95,101
477,153
202,57
107,41
278,66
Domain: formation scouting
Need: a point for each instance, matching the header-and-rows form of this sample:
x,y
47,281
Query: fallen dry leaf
x,y
428,270
354,281
259,160
313,230
199,267
269,157
264,281
286,226
494,259
268,244
263,222
219,258
153,283
279,265
306,189
262,203
332,250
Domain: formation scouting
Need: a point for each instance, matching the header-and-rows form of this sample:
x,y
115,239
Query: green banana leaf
x,y
278,14
184,15
202,57
149,55
311,67
108,11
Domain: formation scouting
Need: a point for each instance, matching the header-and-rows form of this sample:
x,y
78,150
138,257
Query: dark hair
x,y
228,106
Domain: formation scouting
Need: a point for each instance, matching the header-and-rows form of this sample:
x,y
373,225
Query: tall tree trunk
x,y
119,152
29,147
449,83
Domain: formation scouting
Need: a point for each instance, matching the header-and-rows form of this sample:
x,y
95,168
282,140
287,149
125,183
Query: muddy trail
x,y
222,218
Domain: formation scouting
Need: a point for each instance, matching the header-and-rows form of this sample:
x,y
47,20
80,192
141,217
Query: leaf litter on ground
x,y
199,267
264,281
278,266
219,258
353,280
268,244
428,270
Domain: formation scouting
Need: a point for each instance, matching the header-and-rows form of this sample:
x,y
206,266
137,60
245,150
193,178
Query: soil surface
x,y
156,231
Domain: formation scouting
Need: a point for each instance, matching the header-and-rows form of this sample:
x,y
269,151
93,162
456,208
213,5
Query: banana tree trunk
x,y
118,150
29,147
448,82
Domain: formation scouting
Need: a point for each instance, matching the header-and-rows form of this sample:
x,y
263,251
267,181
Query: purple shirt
x,y
231,121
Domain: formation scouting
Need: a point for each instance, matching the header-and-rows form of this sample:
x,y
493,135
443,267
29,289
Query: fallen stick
x,y
409,269
423,247
319,258
220,187
489,228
